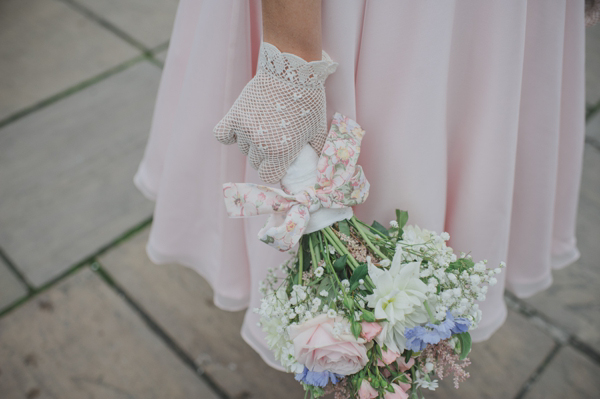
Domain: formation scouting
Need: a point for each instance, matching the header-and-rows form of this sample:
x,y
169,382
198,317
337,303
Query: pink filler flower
x,y
366,391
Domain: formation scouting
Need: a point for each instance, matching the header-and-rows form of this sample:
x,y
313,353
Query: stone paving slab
x,y
148,21
573,300
80,340
570,375
181,302
501,365
592,127
161,56
46,47
11,288
592,64
66,173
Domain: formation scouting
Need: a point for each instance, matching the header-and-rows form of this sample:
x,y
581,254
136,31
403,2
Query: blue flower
x,y
418,337
461,325
317,379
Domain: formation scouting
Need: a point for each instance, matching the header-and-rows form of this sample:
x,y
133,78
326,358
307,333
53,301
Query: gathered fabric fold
x,y
340,183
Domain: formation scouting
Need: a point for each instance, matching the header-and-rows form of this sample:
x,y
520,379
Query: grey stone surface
x,y
66,173
46,47
161,56
592,64
148,21
573,300
502,364
80,340
11,288
592,127
181,302
569,375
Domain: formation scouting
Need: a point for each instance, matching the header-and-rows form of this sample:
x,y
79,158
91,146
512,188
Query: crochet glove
x,y
281,109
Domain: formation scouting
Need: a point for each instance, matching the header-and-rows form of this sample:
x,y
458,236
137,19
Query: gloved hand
x,y
280,110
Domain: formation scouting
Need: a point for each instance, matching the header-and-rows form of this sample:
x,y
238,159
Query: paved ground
x,y
84,314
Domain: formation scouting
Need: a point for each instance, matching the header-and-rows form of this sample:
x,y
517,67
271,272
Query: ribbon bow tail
x,y
282,232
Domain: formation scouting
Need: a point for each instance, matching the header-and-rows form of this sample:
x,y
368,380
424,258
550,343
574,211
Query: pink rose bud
x,y
370,330
389,356
404,385
399,393
403,366
366,391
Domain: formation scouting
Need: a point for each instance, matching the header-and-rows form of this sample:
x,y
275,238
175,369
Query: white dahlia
x,y
398,296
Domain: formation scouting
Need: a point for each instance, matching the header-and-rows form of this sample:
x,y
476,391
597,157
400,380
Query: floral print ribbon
x,y
340,183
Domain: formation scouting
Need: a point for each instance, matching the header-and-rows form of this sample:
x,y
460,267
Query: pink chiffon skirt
x,y
474,120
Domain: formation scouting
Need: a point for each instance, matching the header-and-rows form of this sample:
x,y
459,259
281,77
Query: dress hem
x,y
220,301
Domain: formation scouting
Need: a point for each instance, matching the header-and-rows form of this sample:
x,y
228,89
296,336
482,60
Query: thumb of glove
x,y
224,131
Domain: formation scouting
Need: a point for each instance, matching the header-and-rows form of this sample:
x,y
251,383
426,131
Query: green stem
x,y
364,237
317,253
313,257
341,247
300,262
429,312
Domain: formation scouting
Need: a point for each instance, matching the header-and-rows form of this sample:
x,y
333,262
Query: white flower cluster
x,y
279,311
450,287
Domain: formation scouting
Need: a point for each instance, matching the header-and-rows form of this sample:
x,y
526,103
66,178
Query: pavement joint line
x,y
526,387
86,12
104,275
160,47
69,271
595,143
72,90
543,322
15,270
592,110
153,52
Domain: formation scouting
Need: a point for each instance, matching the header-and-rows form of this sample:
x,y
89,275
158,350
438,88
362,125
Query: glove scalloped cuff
x,y
294,69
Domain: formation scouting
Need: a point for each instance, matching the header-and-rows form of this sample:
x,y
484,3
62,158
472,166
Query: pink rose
x,y
403,366
366,391
388,357
398,393
316,346
370,330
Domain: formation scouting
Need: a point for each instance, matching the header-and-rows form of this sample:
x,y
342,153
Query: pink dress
x,y
474,120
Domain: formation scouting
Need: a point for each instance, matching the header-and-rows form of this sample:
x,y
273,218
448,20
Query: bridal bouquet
x,y
362,310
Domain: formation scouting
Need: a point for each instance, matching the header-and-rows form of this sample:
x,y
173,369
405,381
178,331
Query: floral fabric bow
x,y
340,183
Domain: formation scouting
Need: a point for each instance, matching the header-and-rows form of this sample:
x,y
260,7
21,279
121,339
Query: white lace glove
x,y
280,110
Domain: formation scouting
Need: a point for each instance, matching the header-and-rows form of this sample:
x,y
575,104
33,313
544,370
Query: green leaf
x,y
359,273
340,263
390,388
401,218
306,259
465,344
356,329
344,227
461,264
407,356
380,228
